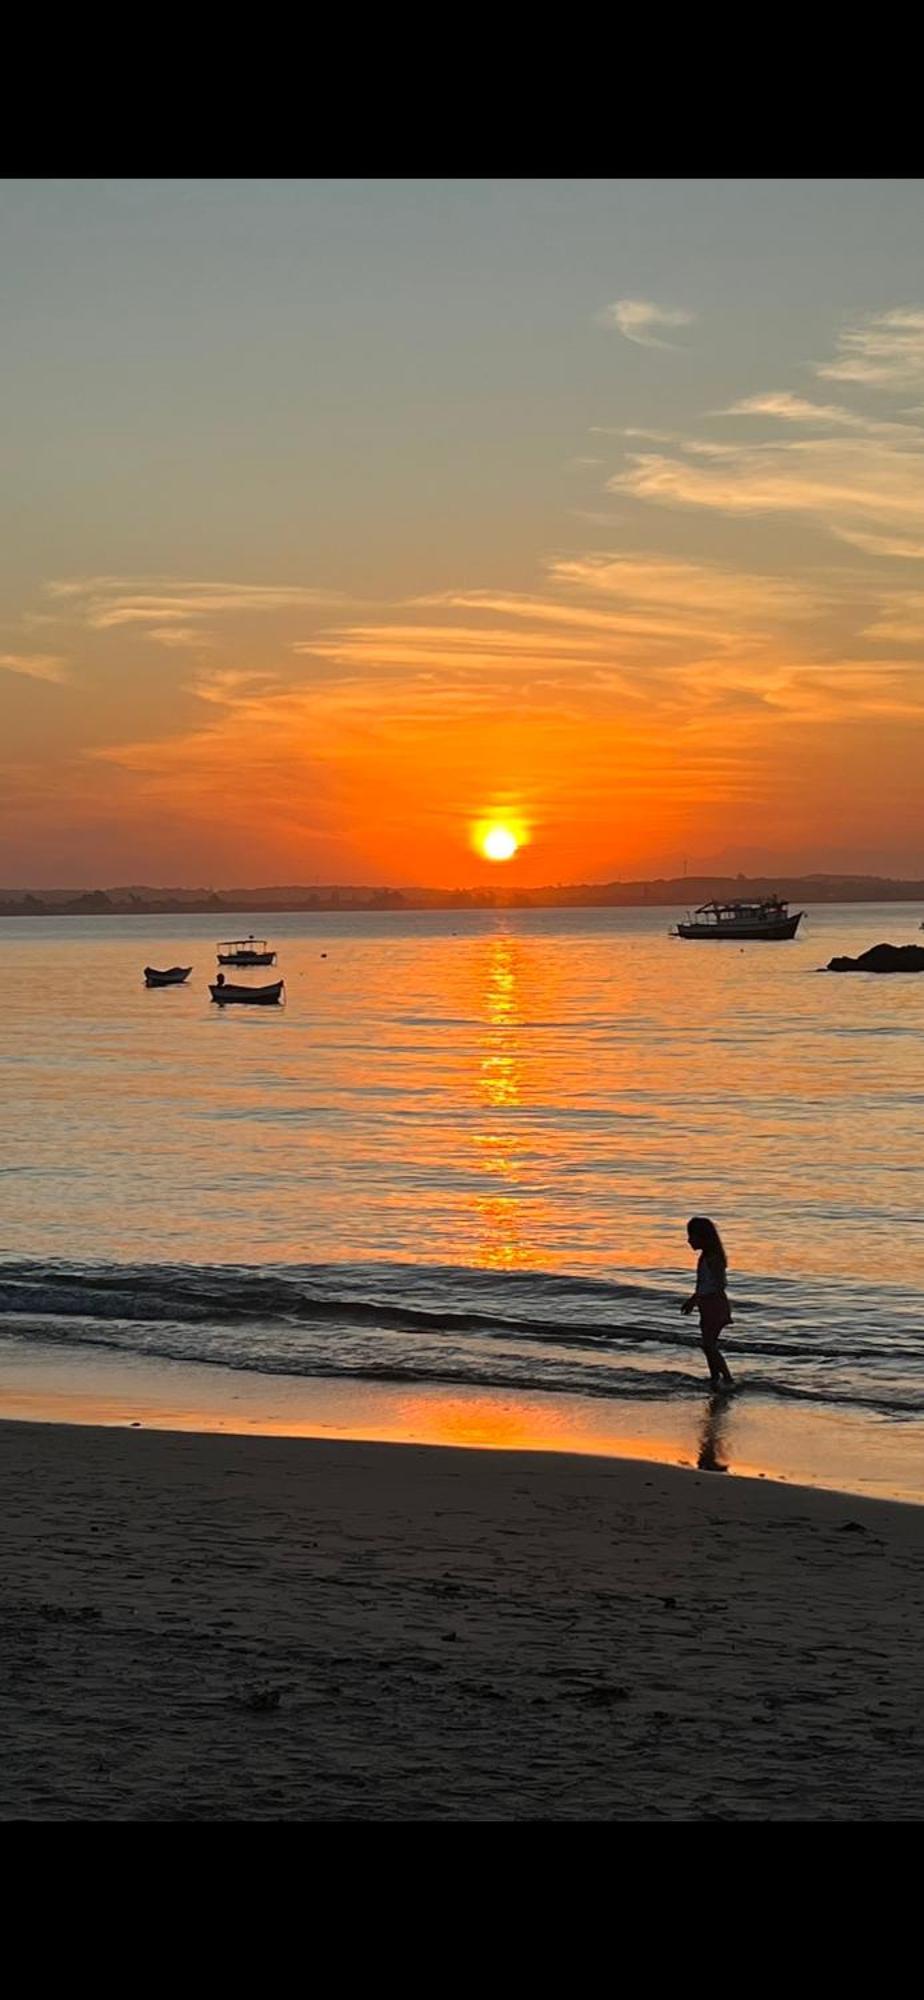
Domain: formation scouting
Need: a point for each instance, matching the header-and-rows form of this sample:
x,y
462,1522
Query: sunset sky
x,y
344,517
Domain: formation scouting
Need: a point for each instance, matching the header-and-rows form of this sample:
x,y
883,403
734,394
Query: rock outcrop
x,y
883,958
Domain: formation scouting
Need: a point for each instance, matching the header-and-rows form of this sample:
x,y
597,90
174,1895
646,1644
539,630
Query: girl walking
x,y
710,1297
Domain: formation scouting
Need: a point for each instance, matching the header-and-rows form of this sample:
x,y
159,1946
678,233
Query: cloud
x,y
885,351
671,642
850,487
36,666
855,476
227,685
613,622
640,320
900,619
778,405
791,409
179,636
108,602
850,690
696,590
872,544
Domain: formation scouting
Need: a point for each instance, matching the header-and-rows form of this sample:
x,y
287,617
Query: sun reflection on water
x,y
505,1207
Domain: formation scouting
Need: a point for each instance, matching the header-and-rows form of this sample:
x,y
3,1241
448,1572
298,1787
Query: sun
x,y
498,843
501,838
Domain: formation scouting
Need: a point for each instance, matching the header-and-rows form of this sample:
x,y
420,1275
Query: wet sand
x,y
213,1627
746,1434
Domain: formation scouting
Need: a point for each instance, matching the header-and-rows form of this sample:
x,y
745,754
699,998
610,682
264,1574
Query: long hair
x,y
705,1236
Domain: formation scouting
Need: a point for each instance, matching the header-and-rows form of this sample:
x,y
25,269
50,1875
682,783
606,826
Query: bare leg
x,y
718,1366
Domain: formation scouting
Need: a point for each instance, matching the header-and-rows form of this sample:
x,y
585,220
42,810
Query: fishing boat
x,y
174,975
767,917
246,951
246,996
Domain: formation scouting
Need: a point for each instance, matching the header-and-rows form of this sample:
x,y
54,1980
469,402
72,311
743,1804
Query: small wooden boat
x,y
174,975
247,996
246,951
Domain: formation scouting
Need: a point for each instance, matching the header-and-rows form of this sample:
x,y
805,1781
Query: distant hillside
x,y
665,892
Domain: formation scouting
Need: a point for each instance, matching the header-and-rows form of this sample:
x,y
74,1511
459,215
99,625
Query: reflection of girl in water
x,y
711,1440
710,1297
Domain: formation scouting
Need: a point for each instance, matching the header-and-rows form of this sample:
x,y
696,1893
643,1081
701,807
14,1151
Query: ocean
x,y
465,1151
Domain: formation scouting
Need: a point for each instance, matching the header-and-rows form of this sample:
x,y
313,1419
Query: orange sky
x,y
373,751
642,640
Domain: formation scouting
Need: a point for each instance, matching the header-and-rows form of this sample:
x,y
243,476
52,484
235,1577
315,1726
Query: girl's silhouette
x,y
710,1297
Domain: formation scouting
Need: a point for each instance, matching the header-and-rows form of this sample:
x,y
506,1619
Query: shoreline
x,y
744,1436
265,1628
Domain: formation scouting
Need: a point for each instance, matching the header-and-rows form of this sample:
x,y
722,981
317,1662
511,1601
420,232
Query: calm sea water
x,y
466,1150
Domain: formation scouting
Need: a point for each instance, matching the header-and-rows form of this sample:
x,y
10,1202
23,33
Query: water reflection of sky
x,y
555,1091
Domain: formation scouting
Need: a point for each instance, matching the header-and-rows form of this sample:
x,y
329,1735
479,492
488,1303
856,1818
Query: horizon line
x,y
500,889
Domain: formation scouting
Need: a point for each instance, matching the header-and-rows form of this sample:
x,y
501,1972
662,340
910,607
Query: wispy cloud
x,y
676,641
778,405
900,620
872,544
106,602
856,476
643,322
179,637
226,685
36,666
849,691
695,590
603,621
884,350
791,409
851,487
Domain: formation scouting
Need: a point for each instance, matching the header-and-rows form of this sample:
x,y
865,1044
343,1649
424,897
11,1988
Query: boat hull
x,y
782,927
248,996
175,975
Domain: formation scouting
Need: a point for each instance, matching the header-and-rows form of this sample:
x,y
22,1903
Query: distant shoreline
x,y
333,900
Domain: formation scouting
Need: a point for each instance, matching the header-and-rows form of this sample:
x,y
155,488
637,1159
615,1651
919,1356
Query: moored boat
x,y
246,951
174,975
246,996
766,917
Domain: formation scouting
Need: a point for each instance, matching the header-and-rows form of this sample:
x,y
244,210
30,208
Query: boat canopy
x,y
763,906
243,944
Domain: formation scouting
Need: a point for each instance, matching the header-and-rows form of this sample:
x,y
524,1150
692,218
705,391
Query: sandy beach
x,y
213,1627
